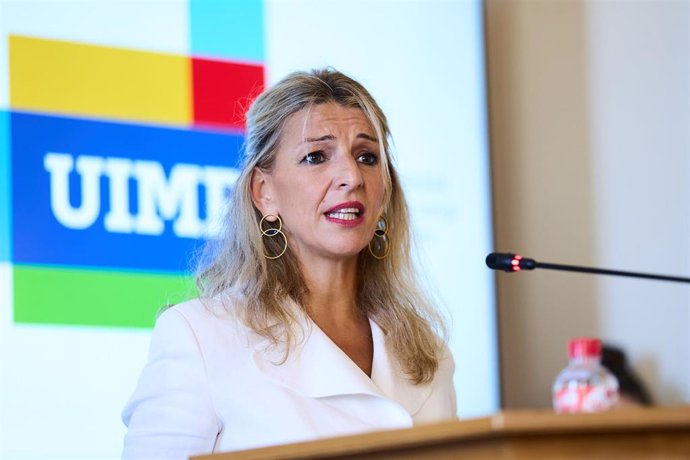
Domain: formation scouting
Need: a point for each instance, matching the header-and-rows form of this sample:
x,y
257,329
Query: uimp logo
x,y
121,162
159,197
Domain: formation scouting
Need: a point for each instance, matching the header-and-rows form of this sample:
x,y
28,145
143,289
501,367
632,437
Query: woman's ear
x,y
262,196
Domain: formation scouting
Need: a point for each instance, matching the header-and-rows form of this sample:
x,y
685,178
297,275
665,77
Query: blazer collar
x,y
318,368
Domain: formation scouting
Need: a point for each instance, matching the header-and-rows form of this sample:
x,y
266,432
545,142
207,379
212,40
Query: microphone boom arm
x,y
603,271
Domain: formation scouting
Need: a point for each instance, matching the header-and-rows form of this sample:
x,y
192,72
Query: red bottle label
x,y
583,397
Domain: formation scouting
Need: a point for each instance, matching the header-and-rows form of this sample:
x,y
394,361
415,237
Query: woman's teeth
x,y
344,214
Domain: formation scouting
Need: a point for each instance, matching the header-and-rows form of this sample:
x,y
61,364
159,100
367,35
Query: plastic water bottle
x,y
585,385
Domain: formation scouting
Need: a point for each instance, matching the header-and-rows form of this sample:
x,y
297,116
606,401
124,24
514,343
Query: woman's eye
x,y
314,158
368,158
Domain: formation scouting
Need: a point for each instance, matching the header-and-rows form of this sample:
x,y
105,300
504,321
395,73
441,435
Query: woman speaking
x,y
310,321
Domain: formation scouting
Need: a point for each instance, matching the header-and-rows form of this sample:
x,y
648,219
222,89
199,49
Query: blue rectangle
x,y
50,199
5,203
227,29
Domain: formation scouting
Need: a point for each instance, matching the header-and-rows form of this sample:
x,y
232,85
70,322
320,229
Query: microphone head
x,y
500,261
508,262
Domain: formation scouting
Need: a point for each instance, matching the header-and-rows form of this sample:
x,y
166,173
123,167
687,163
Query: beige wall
x,y
589,116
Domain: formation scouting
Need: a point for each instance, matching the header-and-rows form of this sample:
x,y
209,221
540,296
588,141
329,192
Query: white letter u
x,y
59,165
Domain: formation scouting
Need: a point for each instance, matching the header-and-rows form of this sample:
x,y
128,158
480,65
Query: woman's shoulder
x,y
202,314
204,329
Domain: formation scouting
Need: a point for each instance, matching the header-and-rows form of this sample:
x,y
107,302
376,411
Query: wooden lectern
x,y
635,433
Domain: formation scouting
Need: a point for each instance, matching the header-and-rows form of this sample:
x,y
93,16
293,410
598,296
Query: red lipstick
x,y
347,214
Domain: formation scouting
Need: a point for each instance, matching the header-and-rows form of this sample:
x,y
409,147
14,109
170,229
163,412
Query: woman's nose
x,y
349,174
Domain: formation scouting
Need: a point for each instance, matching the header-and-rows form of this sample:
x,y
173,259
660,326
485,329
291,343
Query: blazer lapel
x,y
316,367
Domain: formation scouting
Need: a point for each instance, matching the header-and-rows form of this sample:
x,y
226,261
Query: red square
x,y
223,91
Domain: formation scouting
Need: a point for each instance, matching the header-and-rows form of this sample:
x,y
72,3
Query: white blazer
x,y
213,385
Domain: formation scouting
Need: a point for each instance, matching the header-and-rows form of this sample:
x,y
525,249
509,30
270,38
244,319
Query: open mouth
x,y
349,212
344,214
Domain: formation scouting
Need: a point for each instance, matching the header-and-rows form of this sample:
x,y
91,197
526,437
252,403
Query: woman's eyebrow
x,y
367,137
327,137
331,137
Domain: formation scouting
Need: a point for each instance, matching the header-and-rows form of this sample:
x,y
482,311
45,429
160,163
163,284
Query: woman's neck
x,y
332,291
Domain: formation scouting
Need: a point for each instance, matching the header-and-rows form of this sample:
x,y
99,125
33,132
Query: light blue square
x,y
5,187
227,29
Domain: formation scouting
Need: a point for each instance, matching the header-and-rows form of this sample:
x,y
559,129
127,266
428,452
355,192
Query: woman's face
x,y
326,183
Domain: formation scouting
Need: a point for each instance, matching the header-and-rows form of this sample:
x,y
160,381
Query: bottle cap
x,y
584,347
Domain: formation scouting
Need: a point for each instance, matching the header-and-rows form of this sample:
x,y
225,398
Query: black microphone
x,y
514,263
509,262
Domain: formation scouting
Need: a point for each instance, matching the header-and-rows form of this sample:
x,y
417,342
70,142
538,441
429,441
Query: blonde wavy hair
x,y
387,290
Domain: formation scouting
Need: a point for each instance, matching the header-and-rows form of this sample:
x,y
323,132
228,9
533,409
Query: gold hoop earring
x,y
271,232
380,232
